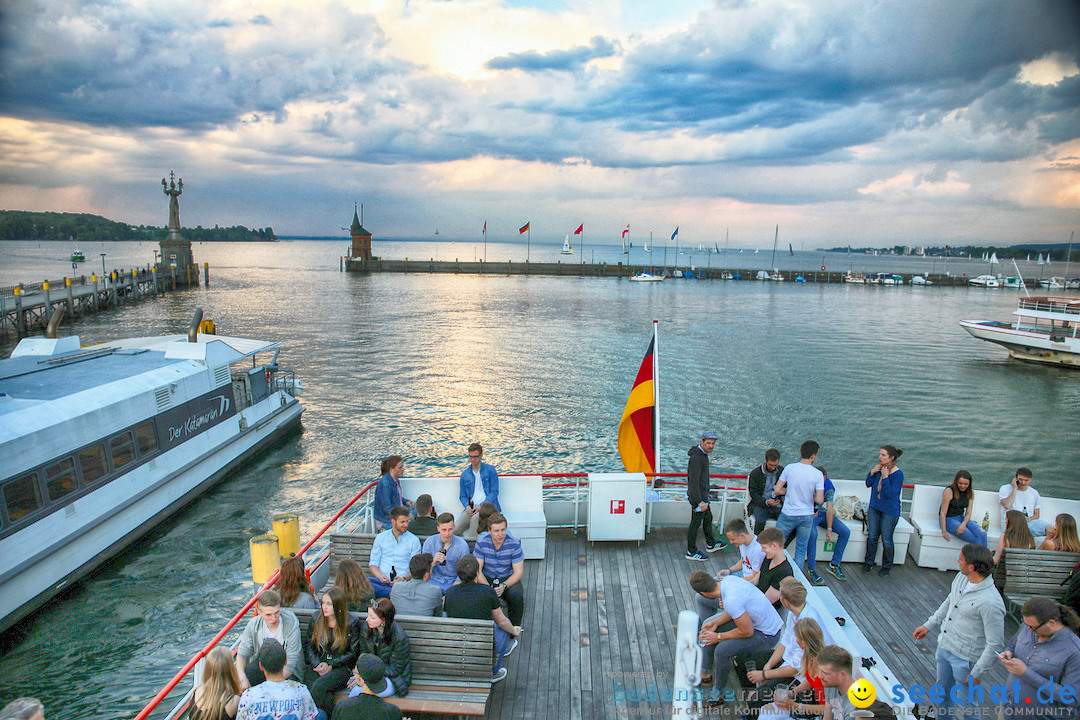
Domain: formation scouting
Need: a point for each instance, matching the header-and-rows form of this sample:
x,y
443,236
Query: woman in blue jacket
x,y
884,481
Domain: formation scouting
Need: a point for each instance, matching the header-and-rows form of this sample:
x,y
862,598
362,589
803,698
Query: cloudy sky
x,y
909,121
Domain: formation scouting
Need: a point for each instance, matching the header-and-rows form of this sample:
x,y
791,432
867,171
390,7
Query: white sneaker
x,y
498,676
510,648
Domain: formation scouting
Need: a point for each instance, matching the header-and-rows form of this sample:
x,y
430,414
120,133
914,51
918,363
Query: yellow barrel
x,y
287,528
264,557
67,281
18,290
45,285
134,272
93,277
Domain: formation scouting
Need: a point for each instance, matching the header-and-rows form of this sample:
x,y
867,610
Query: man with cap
x,y
370,677
277,698
697,491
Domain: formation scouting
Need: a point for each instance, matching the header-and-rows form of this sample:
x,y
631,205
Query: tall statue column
x,y
176,259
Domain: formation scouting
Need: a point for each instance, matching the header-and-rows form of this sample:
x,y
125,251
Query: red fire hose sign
x,y
618,507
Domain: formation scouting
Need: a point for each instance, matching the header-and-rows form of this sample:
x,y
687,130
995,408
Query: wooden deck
x,y
600,617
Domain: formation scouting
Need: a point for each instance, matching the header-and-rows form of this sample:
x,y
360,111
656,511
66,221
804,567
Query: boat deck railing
x,y
1069,306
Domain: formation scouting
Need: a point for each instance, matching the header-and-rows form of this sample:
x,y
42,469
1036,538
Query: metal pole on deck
x,y
656,392
686,675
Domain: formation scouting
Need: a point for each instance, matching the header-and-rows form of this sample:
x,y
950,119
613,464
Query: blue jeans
x,y
382,590
952,671
502,640
972,533
803,525
842,535
881,525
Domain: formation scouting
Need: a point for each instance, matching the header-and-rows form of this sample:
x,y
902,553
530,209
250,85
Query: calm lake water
x,y
538,370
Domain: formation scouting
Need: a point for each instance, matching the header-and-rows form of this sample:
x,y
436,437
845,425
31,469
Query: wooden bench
x,y
451,663
1035,573
347,545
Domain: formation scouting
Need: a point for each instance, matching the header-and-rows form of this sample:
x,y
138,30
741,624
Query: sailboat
x,y
648,275
567,248
1041,261
776,276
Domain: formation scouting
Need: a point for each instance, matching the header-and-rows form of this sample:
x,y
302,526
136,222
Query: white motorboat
x,y
920,281
1045,330
855,278
987,281
1053,283
646,277
100,444
1012,283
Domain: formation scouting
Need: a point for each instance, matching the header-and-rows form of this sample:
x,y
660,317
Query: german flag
x,y
523,229
637,445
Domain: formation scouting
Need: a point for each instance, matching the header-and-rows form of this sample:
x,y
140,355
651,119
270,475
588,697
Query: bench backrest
x,y
439,647
516,494
350,545
1037,572
450,647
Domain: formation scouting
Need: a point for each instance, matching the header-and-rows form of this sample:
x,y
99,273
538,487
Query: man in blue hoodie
x,y
697,491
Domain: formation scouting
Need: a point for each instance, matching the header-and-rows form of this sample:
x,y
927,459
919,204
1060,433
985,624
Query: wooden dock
x,y
23,308
600,625
610,270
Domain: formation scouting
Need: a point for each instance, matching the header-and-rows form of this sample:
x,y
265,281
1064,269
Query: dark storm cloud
x,y
105,63
567,60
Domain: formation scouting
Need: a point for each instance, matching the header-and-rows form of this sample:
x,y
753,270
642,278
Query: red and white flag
x,y
580,229
626,231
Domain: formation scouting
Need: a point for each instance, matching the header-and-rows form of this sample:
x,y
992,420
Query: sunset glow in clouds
x,y
844,122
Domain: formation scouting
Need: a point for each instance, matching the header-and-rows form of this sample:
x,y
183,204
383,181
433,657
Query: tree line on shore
x,y
86,228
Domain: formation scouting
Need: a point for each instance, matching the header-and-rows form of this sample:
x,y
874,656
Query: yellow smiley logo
x,y
862,693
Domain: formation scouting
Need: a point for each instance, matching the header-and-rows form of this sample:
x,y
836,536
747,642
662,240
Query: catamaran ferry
x,y
98,444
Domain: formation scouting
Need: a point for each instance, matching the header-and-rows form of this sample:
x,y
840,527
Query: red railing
x,y
178,678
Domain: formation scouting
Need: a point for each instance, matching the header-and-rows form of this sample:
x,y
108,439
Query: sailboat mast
x,y
1068,256
776,239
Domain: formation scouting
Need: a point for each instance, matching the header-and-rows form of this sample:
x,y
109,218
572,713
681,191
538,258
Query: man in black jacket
x,y
763,503
697,489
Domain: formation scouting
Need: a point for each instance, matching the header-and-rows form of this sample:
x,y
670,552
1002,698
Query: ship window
x,y
60,479
146,438
92,463
22,497
121,450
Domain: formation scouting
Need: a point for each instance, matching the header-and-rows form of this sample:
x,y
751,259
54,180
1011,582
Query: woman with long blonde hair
x,y
1016,535
219,695
811,690
1062,535
331,650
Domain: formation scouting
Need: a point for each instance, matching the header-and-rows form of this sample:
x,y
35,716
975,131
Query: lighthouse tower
x,y
360,255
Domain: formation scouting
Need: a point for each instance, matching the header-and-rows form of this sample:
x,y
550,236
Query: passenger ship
x,y
98,444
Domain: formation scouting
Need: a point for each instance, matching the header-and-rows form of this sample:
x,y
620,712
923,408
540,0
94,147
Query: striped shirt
x,y
499,563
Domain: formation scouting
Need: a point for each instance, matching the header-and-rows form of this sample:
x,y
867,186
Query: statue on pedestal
x,y
173,191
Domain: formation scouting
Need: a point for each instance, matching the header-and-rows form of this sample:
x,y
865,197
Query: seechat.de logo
x,y
862,693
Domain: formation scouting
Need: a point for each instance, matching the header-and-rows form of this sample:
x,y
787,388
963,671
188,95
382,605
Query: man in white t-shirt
x,y
1019,495
747,622
277,698
803,488
750,553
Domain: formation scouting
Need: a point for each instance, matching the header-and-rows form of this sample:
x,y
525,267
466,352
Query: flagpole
x,y
485,241
656,393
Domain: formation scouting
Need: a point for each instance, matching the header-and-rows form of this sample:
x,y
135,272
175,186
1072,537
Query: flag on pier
x,y
637,442
580,229
523,229
626,231
484,233
674,234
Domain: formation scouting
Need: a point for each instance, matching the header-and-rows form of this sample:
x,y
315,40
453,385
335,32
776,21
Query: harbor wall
x,y
616,270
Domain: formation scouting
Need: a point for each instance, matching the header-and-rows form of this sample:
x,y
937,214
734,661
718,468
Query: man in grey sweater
x,y
972,627
271,622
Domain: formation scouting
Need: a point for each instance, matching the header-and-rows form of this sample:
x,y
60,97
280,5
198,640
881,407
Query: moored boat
x,y
644,276
99,444
986,281
1045,330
